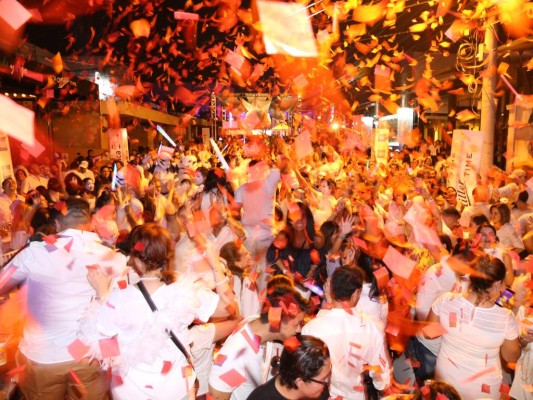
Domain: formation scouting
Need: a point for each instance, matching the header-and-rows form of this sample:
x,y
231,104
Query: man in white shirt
x,y
480,206
34,179
355,341
82,171
55,272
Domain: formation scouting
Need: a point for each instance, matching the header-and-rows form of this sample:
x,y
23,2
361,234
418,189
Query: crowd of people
x,y
249,272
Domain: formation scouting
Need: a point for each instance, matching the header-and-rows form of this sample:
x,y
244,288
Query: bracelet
x,y
223,281
341,236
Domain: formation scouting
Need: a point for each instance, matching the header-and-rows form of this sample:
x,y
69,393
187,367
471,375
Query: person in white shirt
x,y
8,200
437,280
355,341
244,361
58,293
34,179
83,171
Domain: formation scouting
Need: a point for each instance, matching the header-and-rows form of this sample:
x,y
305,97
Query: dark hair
x,y
490,270
345,281
451,212
283,293
304,362
447,242
231,253
486,225
327,229
310,222
202,170
436,388
76,212
105,198
523,196
73,184
153,245
479,219
504,211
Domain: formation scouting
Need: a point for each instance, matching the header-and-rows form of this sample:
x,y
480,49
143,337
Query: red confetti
x,y
139,246
167,366
122,284
291,343
233,378
109,347
77,349
69,245
50,239
219,359
485,388
274,318
452,320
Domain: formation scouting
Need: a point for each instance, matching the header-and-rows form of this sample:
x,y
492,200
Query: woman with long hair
x,y
477,333
149,363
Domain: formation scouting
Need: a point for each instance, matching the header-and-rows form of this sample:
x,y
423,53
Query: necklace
x,y
150,278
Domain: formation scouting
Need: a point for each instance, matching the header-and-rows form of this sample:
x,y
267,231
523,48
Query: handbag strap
x,y
173,337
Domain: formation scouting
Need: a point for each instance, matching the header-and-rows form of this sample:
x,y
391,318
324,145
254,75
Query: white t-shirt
x,y
257,199
58,290
354,340
374,308
436,281
472,345
241,362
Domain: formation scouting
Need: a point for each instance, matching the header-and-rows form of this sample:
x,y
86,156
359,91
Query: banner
x,y
381,146
465,162
118,144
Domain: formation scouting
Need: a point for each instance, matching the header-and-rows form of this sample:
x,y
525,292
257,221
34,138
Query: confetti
x,y
109,347
233,378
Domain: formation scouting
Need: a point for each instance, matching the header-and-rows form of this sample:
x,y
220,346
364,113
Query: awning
x,y
137,111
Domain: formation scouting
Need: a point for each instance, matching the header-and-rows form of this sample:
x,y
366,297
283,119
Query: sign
x,y
381,146
465,162
118,144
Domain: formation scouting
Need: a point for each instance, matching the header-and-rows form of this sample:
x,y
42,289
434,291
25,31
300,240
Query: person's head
x,y
236,256
88,185
488,281
480,194
292,321
326,186
105,172
73,184
9,186
500,214
151,249
20,174
487,233
477,220
436,390
519,176
54,184
451,217
83,166
346,283
306,367
301,219
75,214
451,196
34,169
215,178
522,200
200,175
348,253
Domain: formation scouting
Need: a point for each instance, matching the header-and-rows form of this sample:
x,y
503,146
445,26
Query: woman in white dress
x,y
145,362
478,332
